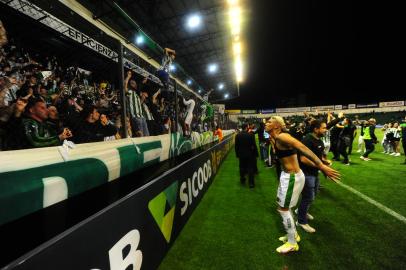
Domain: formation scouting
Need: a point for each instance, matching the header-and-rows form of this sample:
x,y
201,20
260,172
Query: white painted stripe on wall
x,y
55,190
373,202
152,154
112,161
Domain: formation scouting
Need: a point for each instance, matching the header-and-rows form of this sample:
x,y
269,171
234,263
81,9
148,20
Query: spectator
x,y
219,133
36,130
403,130
3,35
138,121
396,139
10,125
190,105
93,127
163,72
344,139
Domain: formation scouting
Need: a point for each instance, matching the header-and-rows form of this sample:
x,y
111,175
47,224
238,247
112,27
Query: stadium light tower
x,y
172,67
189,82
226,95
221,86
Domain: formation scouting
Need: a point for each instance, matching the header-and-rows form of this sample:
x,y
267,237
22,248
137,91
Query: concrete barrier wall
x,y
33,179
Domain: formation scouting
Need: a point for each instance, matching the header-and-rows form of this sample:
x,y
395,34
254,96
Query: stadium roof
x,y
163,23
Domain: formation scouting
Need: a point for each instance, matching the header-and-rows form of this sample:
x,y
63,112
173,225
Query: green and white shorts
x,y
289,189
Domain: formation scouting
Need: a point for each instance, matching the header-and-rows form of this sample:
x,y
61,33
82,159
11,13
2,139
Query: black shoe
x,y
242,181
252,185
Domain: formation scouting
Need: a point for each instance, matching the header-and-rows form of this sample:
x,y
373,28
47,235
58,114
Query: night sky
x,y
303,53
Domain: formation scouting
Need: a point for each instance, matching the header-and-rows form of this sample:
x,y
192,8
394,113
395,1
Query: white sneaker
x,y
306,227
309,217
397,155
393,154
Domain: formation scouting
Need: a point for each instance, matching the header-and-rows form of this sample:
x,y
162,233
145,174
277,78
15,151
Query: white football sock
x,y
289,224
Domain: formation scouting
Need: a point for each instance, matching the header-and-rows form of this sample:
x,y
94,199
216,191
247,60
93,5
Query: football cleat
x,y
287,247
284,238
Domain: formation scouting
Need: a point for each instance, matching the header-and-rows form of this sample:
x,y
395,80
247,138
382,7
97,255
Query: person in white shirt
x,y
190,105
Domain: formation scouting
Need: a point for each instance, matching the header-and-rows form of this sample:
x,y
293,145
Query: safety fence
x,y
136,231
33,179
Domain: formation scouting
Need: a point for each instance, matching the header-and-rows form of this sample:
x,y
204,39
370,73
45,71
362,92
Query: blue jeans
x,y
263,151
308,193
140,124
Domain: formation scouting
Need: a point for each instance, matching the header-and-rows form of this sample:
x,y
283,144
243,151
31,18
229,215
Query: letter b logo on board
x,y
119,261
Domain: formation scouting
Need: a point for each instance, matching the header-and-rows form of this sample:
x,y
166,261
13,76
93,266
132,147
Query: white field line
x,y
372,201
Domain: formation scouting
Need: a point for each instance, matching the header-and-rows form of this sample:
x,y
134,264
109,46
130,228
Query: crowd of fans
x,y
340,136
44,102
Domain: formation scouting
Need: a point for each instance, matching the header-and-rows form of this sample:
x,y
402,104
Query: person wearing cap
x,y
370,138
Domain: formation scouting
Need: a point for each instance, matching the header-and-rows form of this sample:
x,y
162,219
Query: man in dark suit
x,y
247,152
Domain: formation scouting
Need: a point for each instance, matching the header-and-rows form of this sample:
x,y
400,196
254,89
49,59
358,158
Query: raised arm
x,y
127,79
169,51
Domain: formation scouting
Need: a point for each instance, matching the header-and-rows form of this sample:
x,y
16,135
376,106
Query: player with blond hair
x,y
292,178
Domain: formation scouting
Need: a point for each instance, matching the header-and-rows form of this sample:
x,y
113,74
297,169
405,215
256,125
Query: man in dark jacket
x,y
37,132
94,127
247,152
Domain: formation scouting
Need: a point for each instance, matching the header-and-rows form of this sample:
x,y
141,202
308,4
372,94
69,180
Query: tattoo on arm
x,y
310,155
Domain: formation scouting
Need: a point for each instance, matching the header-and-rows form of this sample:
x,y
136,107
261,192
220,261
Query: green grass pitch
x,y
238,228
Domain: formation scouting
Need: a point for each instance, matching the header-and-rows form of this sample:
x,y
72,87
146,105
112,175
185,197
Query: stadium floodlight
x,y
194,21
213,68
239,69
237,48
189,82
172,67
139,40
199,91
226,95
221,86
235,20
